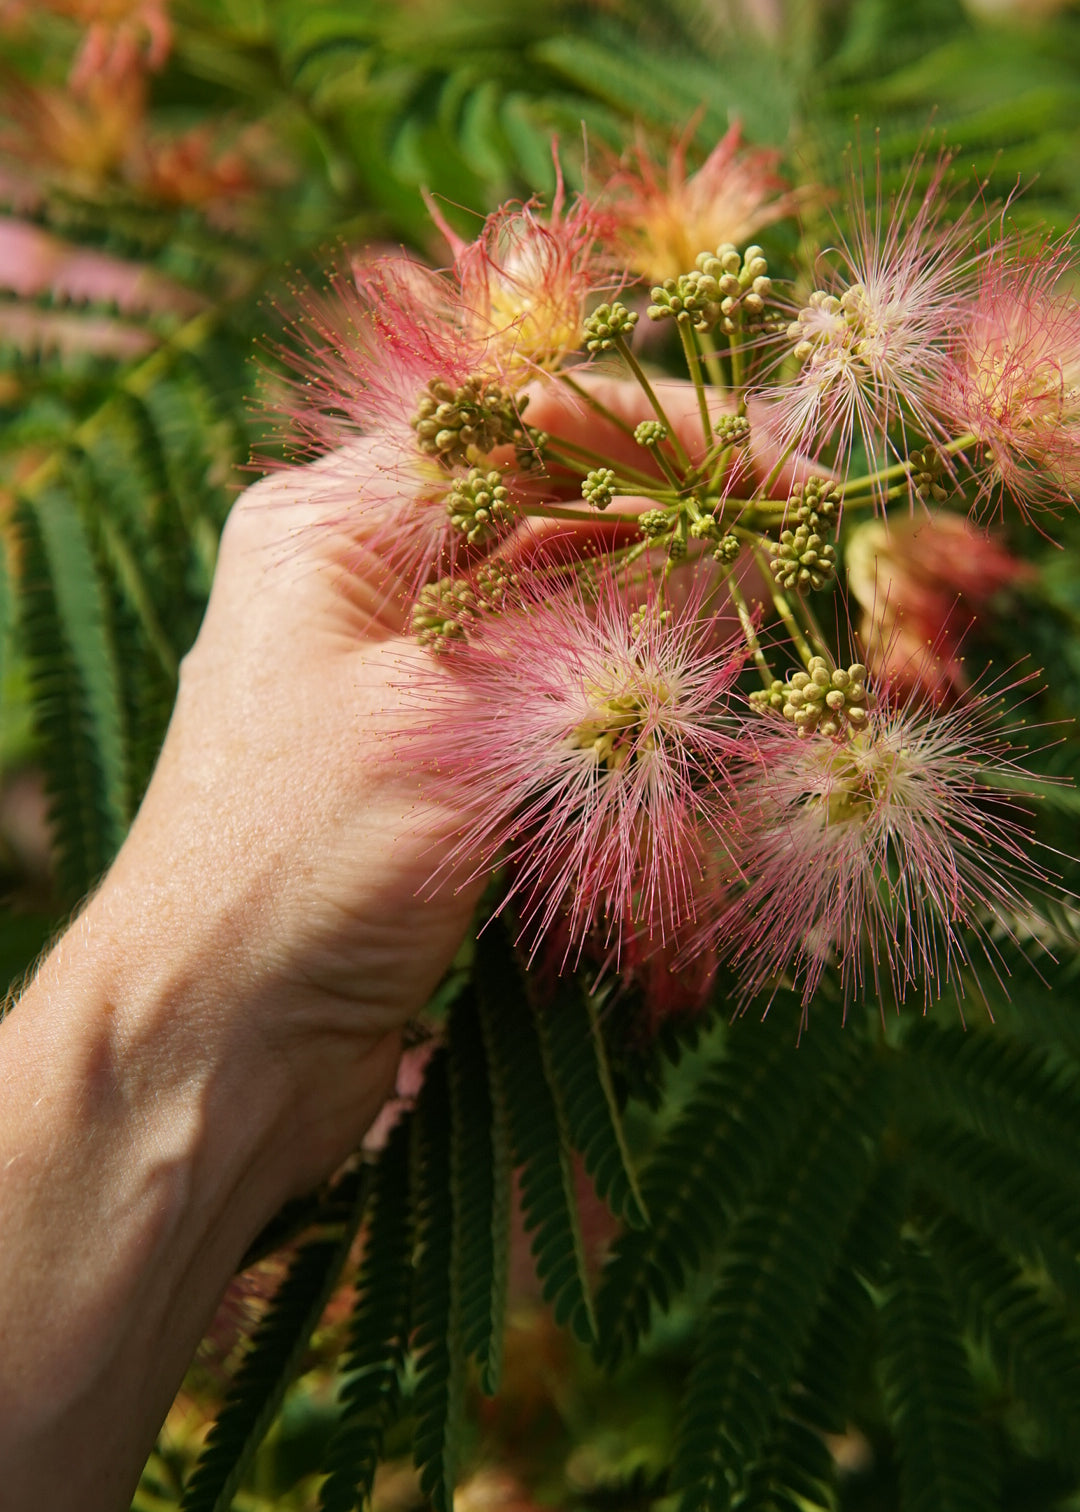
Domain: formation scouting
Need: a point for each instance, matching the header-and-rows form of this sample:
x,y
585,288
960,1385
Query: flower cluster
x,y
602,560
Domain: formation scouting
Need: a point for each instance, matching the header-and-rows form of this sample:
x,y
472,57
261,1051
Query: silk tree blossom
x,y
662,217
387,356
587,741
1012,380
873,338
526,279
882,853
920,583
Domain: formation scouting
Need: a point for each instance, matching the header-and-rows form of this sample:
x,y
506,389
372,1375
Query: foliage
x,y
869,1232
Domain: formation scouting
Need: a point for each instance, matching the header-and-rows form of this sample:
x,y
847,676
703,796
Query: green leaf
x,y
481,1188
576,1064
438,1342
774,1268
370,1394
1032,1340
537,1132
77,687
272,1360
736,1130
947,1460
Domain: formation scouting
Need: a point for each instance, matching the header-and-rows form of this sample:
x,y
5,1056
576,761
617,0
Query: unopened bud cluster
x,y
598,487
653,523
445,610
479,506
692,297
650,433
819,700
457,424
606,324
927,473
441,612
727,549
827,322
725,289
733,430
803,559
743,282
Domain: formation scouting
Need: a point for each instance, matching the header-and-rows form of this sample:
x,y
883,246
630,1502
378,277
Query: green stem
x,y
596,404
693,363
781,463
587,516
779,598
658,409
664,464
711,358
746,620
578,454
903,468
737,378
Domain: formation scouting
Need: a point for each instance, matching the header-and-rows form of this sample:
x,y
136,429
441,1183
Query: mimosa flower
x,y
662,217
387,356
884,853
920,582
526,279
1013,378
873,337
586,741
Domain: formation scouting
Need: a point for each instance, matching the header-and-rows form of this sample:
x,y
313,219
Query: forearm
x,y
137,1160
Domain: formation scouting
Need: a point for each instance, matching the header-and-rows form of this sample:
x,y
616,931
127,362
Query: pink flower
x,y
525,280
586,741
663,217
388,356
920,582
884,852
872,339
1012,379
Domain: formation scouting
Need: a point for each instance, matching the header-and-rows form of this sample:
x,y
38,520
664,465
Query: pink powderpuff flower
x,y
526,279
920,583
882,852
372,357
1012,380
662,217
587,741
873,338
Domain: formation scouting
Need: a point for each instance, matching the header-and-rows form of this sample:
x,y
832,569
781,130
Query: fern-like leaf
x,y
775,1266
438,1342
1032,1340
77,687
378,1332
577,1067
538,1135
1010,1198
736,1129
947,1461
272,1361
480,1161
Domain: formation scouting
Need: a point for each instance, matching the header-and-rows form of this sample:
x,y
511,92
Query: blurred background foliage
x,y
167,169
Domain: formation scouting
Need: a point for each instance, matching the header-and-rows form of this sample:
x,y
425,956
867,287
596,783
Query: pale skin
x,y
221,1023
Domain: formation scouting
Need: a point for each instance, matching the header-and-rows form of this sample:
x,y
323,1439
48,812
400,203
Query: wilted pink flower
x,y
662,217
881,852
1013,377
587,743
373,355
526,278
873,337
920,582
